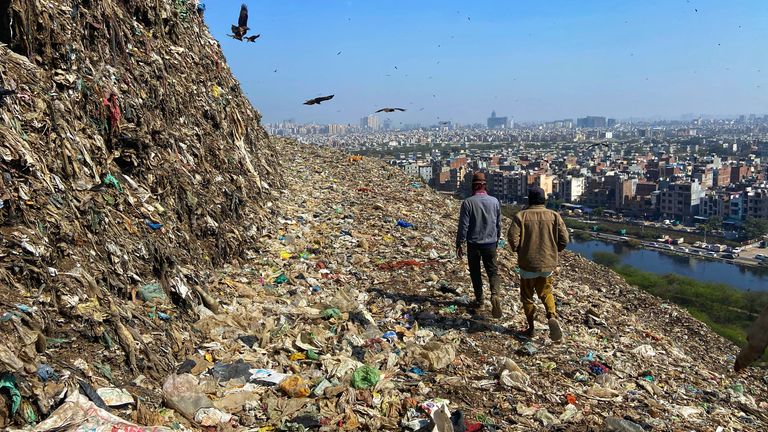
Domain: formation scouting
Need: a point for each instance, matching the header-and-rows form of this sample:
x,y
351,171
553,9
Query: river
x,y
745,278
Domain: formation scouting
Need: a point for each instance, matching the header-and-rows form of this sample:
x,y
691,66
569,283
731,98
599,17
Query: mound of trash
x,y
156,274
131,167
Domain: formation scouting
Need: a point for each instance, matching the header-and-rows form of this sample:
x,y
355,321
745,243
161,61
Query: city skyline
x,y
457,61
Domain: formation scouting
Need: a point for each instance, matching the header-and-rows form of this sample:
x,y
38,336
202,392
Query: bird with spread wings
x,y
239,30
318,100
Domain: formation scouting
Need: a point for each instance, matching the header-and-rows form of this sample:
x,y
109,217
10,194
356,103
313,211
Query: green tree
x,y
755,228
598,211
714,223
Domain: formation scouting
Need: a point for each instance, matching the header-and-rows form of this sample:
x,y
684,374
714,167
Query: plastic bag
x,y
295,387
365,377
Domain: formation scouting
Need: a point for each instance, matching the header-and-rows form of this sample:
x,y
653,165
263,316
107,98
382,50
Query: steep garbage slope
x,y
131,164
353,317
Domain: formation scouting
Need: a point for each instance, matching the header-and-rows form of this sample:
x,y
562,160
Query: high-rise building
x,y
497,122
611,122
370,122
591,122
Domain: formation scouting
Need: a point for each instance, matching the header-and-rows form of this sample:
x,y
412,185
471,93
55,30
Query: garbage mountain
x,y
157,272
131,166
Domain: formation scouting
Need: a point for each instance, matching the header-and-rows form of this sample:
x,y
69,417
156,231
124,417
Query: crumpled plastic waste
x,y
365,377
295,387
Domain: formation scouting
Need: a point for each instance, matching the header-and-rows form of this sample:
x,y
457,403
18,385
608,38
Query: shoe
x,y
555,333
496,311
525,334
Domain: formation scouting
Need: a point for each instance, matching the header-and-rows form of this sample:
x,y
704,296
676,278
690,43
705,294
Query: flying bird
x,y
239,30
318,100
252,38
598,144
389,110
338,53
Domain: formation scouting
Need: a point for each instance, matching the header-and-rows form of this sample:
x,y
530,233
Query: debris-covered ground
x,y
347,320
154,271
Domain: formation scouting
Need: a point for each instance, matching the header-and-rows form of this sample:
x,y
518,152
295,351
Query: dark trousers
x,y
486,255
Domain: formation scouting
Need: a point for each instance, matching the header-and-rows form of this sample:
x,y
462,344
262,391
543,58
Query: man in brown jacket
x,y
538,235
757,341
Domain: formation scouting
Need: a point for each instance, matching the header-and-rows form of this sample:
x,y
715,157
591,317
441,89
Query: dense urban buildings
x,y
681,171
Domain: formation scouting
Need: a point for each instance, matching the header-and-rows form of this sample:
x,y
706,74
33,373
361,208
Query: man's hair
x,y
536,196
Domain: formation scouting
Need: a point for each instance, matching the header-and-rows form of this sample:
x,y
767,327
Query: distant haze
x,y
531,60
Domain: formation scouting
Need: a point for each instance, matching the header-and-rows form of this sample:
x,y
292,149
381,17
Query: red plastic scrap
x,y
570,398
115,115
472,427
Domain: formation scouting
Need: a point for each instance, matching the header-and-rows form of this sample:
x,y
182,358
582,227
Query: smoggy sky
x,y
531,60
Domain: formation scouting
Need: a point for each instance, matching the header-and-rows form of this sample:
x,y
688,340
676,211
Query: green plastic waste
x,y
450,309
8,382
28,413
281,279
152,291
331,313
110,180
312,355
365,377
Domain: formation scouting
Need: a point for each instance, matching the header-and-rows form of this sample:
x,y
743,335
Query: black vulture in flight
x,y
241,28
318,100
389,110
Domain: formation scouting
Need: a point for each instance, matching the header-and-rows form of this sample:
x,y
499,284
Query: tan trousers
x,y
542,287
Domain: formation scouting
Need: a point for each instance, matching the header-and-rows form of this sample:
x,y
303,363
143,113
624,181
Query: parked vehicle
x,y
761,257
729,256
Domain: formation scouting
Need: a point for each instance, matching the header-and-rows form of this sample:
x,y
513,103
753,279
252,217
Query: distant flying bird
x,y
338,53
395,67
239,30
598,144
252,38
421,109
389,110
318,100
696,10
445,122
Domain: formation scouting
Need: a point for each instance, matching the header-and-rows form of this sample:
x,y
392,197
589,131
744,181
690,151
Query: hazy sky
x,y
531,60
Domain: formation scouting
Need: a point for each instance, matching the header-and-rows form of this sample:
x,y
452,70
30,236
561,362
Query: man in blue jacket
x,y
480,227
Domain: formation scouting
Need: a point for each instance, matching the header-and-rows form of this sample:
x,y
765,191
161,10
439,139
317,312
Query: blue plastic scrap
x,y
417,371
45,372
404,224
154,226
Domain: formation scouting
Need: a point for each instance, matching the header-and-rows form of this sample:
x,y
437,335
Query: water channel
x,y
742,277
